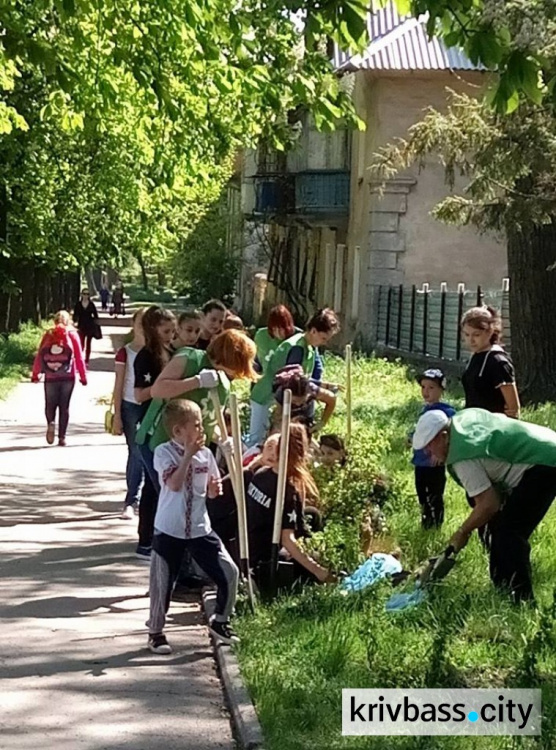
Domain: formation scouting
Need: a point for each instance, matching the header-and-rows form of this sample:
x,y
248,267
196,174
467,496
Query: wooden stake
x,y
281,488
240,499
348,391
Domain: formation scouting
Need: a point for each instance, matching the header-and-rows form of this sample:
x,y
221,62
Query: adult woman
x,y
299,349
118,300
158,329
59,358
127,413
85,318
192,372
280,327
489,378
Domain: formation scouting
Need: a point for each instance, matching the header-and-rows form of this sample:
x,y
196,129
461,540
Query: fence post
x,y
355,289
339,280
443,289
425,316
480,296
461,294
388,310
378,309
400,311
412,317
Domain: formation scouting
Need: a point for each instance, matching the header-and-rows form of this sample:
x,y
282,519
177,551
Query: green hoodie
x,y
262,390
152,429
479,434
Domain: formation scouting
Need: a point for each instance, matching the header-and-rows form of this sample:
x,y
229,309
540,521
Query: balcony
x,y
274,194
322,193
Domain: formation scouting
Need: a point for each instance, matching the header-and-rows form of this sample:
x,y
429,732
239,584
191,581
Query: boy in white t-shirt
x,y
188,475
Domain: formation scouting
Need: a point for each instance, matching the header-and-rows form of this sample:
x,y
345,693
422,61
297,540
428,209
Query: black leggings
x,y
57,396
430,482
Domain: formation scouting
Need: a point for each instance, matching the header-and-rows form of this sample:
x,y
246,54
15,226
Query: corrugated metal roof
x,y
401,43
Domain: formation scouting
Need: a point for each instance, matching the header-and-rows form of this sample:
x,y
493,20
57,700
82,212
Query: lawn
x,y
16,356
299,652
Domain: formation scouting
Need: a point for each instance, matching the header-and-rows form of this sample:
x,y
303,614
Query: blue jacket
x,y
421,458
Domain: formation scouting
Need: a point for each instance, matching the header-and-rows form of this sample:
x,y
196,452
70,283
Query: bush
x,y
16,356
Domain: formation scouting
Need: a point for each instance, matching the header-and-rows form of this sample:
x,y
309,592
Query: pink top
x,y
60,356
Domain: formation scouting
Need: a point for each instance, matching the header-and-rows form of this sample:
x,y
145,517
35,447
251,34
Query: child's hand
x,y
198,445
214,488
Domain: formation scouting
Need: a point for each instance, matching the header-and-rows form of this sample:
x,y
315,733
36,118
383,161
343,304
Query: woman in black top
x,y
85,318
158,329
489,378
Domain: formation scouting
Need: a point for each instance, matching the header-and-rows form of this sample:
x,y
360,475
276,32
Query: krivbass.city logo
x,y
441,712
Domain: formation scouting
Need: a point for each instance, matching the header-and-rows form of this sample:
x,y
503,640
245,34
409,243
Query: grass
x,y
298,653
16,356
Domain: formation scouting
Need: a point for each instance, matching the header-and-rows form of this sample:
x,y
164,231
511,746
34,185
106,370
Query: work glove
x,y
208,379
227,448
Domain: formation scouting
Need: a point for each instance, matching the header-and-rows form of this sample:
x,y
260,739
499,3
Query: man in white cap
x,y
508,469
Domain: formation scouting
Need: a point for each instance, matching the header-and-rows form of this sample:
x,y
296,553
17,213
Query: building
x,y
319,226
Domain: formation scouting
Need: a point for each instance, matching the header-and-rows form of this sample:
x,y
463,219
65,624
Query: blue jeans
x,y
149,497
259,423
131,414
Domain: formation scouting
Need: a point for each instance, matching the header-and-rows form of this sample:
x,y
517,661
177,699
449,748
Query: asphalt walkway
x,y
74,670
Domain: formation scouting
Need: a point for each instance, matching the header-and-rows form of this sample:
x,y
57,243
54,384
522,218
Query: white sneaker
x,y
127,513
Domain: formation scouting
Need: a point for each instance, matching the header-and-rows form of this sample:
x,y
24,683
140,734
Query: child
x,y
430,478
305,392
189,329
188,475
213,314
332,451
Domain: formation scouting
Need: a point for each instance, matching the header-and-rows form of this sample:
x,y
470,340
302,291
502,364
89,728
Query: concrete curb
x,y
245,721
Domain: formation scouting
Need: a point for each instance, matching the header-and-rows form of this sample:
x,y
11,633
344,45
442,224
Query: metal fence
x,y
427,321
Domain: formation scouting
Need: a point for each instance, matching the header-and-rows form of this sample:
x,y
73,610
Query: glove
x,y
227,448
208,379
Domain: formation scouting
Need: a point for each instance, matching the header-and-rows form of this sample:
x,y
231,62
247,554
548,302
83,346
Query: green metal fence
x,y
426,321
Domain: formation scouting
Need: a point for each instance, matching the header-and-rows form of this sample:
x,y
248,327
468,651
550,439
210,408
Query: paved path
x,y
74,671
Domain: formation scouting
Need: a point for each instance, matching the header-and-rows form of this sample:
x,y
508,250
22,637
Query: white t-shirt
x,y
183,514
479,474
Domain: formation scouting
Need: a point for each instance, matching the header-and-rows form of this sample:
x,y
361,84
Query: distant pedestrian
x,y
104,297
59,358
118,301
85,318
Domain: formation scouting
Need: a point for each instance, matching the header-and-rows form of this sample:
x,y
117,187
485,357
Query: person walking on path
x,y
104,295
59,358
85,318
489,378
118,300
508,468
188,474
127,414
158,329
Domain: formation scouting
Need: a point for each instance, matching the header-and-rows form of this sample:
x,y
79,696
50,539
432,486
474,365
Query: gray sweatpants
x,y
210,554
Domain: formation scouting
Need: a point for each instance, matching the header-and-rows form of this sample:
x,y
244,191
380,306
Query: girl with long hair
x,y
489,378
127,413
59,359
158,330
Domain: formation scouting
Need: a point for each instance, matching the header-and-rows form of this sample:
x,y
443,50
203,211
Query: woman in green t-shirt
x,y
279,328
191,373
299,349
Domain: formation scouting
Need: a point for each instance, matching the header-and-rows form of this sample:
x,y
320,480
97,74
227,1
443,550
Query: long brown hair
x,y
298,472
153,317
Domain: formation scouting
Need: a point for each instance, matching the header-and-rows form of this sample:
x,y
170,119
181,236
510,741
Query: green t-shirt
x,y
266,346
152,427
477,433
262,390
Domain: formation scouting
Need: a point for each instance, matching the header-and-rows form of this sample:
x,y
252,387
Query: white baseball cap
x,y
429,425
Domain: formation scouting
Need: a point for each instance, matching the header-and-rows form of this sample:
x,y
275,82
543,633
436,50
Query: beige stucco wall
x,y
423,249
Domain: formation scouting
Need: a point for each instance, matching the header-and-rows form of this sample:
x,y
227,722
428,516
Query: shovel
x,y
438,567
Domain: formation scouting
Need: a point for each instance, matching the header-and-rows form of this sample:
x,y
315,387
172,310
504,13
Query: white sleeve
x,y
164,462
473,476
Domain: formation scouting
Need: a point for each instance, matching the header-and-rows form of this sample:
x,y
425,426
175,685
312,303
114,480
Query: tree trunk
x,y
144,276
531,253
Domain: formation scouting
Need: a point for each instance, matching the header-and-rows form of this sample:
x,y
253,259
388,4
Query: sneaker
x,y
143,553
127,513
62,442
158,644
223,632
50,433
